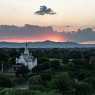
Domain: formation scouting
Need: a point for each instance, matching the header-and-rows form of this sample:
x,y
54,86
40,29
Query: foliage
x,y
73,76
5,82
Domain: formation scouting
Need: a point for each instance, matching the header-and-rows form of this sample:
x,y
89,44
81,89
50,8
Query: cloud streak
x,y
37,33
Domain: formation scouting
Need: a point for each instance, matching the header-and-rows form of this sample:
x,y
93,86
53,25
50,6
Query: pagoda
x,y
27,59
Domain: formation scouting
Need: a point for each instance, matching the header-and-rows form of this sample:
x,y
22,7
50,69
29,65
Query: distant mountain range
x,y
46,44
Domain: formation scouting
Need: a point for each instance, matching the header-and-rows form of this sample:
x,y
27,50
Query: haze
x,y
72,12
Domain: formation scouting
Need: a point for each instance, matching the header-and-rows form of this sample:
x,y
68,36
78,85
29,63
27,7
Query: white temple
x,y
27,59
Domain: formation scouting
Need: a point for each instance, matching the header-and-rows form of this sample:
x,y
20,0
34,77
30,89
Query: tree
x,y
63,83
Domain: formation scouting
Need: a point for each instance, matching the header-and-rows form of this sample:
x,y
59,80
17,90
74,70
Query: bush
x,y
63,83
5,82
26,92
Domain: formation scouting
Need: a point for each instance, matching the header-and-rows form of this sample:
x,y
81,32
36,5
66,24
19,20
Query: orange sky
x,y
56,38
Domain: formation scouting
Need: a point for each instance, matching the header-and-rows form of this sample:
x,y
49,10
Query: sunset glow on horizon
x,y
55,38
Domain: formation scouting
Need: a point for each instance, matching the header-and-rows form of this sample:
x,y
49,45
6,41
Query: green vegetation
x,y
59,72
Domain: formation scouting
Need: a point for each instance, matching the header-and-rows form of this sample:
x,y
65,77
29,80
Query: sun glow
x,y
55,38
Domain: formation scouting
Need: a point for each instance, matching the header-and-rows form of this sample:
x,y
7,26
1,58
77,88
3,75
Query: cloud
x,y
41,33
45,10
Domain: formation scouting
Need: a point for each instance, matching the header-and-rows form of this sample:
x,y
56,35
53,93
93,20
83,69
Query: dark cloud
x,y
39,33
45,10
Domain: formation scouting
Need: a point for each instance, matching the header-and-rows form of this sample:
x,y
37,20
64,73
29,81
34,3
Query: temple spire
x,y
26,51
27,59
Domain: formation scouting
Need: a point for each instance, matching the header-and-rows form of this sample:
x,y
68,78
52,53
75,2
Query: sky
x,y
69,12
70,15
